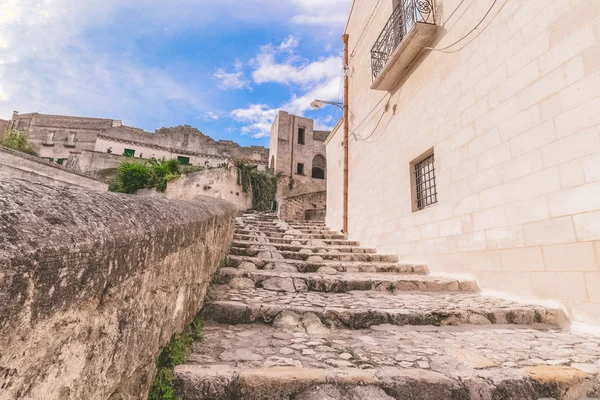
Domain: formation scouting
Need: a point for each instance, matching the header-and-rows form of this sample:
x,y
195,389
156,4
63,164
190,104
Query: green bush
x,y
262,184
131,175
135,174
18,141
174,353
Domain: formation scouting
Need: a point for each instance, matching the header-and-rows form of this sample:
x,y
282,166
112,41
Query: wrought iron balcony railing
x,y
404,17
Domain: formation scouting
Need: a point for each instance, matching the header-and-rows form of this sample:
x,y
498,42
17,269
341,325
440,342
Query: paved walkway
x,y
301,313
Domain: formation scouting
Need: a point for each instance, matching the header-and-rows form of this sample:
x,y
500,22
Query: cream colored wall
x,y
335,178
103,144
513,115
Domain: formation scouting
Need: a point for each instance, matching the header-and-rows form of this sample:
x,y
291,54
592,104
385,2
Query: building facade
x,y
56,136
60,138
475,142
297,152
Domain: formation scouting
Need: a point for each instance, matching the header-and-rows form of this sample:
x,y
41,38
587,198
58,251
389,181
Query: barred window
x,y
425,186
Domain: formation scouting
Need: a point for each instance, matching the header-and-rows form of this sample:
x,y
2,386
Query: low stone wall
x,y
220,183
15,164
92,285
307,206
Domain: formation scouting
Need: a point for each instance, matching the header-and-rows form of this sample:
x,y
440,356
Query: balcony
x,y
409,29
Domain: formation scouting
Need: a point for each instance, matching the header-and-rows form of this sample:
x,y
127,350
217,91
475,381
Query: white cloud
x,y
260,117
289,44
320,79
292,70
232,80
321,12
210,116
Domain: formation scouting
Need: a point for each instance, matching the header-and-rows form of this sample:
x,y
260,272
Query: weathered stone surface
x,y
358,325
92,285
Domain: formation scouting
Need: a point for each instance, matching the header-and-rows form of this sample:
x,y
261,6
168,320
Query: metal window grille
x,y
425,182
405,15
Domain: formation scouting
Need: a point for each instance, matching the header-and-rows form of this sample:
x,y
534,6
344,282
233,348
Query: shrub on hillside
x,y
18,141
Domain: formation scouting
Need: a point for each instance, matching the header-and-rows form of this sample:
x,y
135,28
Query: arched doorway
x,y
319,164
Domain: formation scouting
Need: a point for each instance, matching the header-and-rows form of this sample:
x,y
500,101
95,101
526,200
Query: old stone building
x,y
96,146
56,136
185,143
297,152
474,142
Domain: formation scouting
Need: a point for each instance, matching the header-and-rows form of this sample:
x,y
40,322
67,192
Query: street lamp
x,y
316,104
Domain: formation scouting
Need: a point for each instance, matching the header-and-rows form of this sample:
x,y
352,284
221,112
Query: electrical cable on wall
x,y
443,49
354,132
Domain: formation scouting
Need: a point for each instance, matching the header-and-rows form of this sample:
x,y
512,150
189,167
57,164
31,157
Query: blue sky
x,y
222,66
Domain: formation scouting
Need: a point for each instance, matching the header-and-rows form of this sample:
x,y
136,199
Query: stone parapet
x,y
92,285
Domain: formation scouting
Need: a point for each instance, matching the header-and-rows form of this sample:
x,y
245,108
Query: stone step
x,y
340,283
298,247
302,226
303,241
361,309
330,267
278,235
299,358
304,256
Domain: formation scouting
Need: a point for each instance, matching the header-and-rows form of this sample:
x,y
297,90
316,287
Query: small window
x,y
424,188
301,135
300,169
60,160
49,138
183,160
71,138
129,153
186,139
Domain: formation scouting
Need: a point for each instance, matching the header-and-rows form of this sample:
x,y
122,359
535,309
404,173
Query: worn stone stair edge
x,y
342,283
233,261
234,312
339,242
302,256
244,244
220,382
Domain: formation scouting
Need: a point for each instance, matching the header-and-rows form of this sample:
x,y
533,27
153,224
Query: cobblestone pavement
x,y
285,321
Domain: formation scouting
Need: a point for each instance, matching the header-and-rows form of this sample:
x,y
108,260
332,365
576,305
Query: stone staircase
x,y
298,312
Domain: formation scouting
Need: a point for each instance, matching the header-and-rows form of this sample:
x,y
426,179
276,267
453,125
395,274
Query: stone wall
x,y
307,206
63,128
511,114
14,164
183,140
3,127
101,166
92,285
335,178
286,153
220,183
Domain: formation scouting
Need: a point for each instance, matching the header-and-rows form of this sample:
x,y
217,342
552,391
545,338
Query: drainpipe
x,y
346,71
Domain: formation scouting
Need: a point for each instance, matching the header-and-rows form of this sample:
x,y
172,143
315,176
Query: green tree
x,y
18,141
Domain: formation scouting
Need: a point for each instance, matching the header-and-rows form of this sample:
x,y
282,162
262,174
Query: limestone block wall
x,y
286,153
335,178
14,164
511,114
92,285
38,126
220,183
303,207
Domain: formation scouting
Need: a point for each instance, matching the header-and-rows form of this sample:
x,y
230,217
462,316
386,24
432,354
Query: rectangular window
x,y
186,139
60,160
183,160
301,135
424,189
300,169
49,140
129,153
71,139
